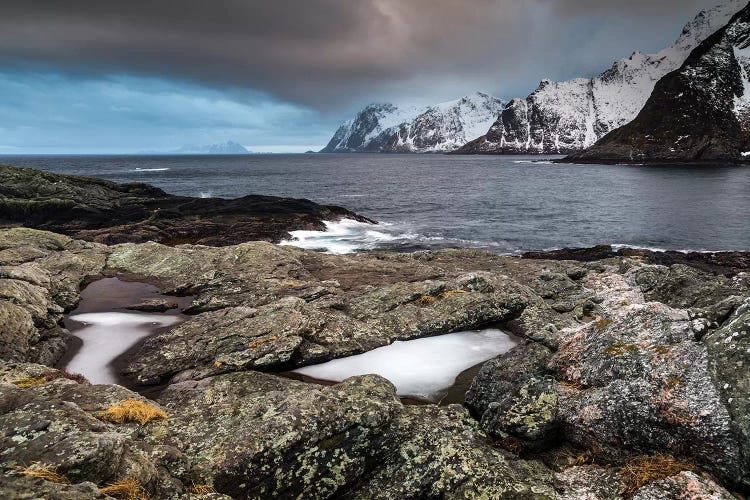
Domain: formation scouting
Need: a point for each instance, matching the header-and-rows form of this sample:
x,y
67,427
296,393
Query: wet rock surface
x,y
624,357
106,212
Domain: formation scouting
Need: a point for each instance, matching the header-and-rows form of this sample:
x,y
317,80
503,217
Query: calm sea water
x,y
507,204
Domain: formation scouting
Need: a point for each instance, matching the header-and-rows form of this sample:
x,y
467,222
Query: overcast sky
x,y
279,75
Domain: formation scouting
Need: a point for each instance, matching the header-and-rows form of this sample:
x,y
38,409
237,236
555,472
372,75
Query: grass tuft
x,y
646,469
27,382
44,471
132,410
125,489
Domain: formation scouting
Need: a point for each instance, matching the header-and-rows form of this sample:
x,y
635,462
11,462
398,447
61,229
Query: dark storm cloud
x,y
320,52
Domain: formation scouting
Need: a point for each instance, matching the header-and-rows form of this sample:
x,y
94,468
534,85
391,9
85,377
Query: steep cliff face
x,y
444,127
565,117
697,113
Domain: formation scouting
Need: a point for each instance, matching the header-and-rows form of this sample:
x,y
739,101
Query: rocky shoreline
x,y
631,359
105,212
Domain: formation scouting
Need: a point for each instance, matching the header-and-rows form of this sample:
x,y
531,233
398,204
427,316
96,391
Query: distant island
x,y
225,148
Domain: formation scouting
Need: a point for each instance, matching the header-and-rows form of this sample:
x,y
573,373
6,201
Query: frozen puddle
x,y
106,335
423,368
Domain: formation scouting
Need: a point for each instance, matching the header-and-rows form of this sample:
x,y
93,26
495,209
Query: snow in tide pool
x,y
422,368
105,336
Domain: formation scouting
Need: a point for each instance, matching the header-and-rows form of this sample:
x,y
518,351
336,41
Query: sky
x,y
93,76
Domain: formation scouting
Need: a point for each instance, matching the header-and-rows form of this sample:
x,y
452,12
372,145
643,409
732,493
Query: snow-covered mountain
x,y
224,148
444,127
564,117
700,112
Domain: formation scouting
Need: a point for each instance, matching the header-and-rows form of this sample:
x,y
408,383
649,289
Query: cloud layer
x,y
331,54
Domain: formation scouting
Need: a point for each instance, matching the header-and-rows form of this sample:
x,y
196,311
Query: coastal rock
x,y
97,210
684,485
40,277
565,117
515,395
153,305
262,307
697,113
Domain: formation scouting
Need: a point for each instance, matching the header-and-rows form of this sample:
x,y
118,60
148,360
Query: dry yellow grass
x,y
645,469
125,489
132,410
261,341
203,489
44,471
30,382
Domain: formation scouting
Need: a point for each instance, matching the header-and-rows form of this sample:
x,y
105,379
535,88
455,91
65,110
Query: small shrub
x,y
202,489
76,377
27,382
125,489
44,471
645,469
132,410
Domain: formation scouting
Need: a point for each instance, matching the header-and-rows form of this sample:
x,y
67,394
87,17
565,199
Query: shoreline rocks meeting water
x,y
630,379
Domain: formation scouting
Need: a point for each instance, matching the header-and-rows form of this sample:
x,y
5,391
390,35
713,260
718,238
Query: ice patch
x,y
107,335
423,368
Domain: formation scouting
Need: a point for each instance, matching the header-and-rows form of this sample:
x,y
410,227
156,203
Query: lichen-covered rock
x,y
262,307
434,452
54,422
515,395
40,277
686,485
729,364
638,380
252,435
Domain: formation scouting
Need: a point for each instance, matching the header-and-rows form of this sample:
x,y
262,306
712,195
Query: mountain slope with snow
x,y
385,128
698,113
564,117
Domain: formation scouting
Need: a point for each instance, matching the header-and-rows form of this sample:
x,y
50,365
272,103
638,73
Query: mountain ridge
x,y
440,128
566,117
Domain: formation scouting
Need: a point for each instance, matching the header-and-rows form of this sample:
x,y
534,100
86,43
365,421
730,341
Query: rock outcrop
x,y
444,127
566,117
698,113
105,212
630,381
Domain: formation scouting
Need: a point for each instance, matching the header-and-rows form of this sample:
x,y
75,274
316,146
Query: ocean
x,y
506,204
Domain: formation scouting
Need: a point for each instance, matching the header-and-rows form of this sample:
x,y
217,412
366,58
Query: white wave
x,y
139,169
107,335
422,368
344,236
206,194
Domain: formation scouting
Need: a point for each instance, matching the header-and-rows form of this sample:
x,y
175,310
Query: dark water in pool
x,y
502,203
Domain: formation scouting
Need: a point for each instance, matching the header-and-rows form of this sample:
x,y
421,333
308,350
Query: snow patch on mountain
x,y
563,117
442,127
